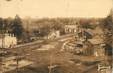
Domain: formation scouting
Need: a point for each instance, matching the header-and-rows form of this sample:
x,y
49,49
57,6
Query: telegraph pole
x,y
50,69
2,45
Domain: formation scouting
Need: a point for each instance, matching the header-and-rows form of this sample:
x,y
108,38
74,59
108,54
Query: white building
x,y
70,28
54,34
8,41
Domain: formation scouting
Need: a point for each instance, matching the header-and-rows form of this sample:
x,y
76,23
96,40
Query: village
x,y
58,45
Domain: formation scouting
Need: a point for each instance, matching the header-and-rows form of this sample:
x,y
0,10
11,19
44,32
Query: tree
x,y
107,26
17,28
108,29
1,23
2,26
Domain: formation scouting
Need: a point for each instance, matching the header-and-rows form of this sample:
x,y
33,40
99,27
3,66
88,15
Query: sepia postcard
x,y
56,36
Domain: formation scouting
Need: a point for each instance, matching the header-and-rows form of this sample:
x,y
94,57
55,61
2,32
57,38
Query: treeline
x,y
107,26
28,27
41,27
45,25
12,26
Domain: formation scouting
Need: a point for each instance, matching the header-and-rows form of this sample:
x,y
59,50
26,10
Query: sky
x,y
55,8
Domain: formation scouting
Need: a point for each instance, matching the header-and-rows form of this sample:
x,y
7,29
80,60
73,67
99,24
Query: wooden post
x,y
50,64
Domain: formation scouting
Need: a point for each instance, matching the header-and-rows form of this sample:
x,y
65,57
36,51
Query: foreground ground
x,y
48,58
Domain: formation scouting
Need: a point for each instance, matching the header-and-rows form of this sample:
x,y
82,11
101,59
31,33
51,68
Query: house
x,y
70,28
99,49
83,35
53,34
8,41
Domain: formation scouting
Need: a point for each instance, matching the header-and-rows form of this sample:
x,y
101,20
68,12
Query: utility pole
x,y
17,62
1,63
3,45
50,68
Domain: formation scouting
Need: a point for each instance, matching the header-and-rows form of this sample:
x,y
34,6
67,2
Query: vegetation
x,y
28,27
17,28
12,26
107,26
